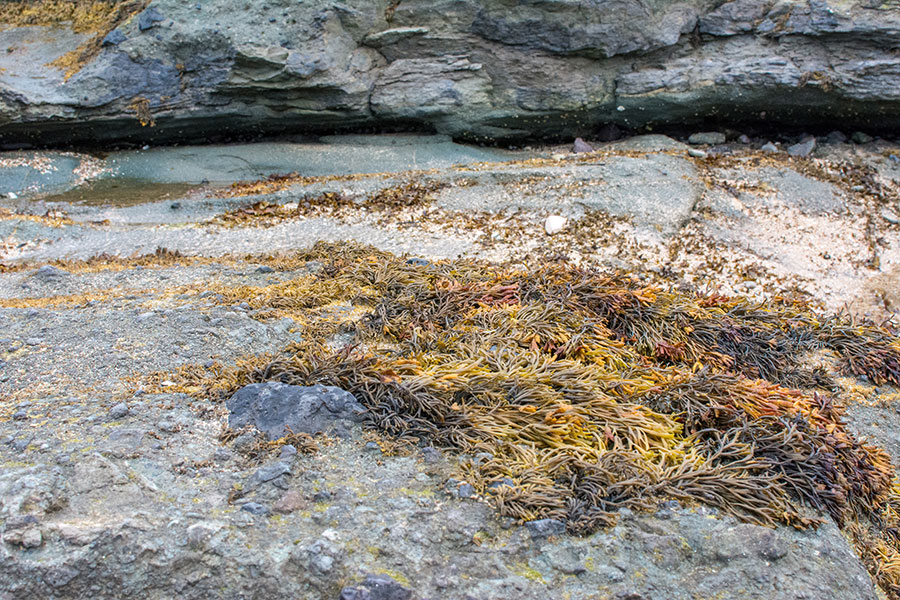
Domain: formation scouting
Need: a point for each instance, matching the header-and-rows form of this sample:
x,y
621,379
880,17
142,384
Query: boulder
x,y
276,408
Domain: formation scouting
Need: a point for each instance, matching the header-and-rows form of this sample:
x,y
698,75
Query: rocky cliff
x,y
494,70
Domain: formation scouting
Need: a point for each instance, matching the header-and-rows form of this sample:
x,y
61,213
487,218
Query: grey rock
x,y
149,18
287,452
581,146
265,269
769,147
269,473
431,455
890,216
804,148
697,153
466,68
543,528
836,137
708,138
465,490
255,508
355,593
496,486
860,137
20,415
113,38
276,408
384,587
119,411
49,273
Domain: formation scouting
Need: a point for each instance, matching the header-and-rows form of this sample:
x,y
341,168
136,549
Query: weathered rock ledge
x,y
481,70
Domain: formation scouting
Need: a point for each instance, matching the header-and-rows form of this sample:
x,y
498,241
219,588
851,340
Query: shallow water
x,y
122,192
129,177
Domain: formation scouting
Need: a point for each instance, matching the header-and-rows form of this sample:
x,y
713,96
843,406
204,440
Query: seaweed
x,y
592,392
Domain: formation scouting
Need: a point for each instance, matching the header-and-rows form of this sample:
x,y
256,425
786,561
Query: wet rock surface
x,y
110,490
469,69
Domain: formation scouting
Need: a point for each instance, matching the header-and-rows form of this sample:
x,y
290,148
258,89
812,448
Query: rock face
x,y
274,408
472,69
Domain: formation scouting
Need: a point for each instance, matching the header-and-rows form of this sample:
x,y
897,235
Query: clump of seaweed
x,y
262,213
593,392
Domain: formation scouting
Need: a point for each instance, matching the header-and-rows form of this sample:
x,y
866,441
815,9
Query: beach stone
x,y
277,408
555,224
581,146
708,138
803,148
291,501
119,411
542,528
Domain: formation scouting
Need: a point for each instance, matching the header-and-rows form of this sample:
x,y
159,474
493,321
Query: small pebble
x,y
265,269
697,153
804,148
555,224
769,147
255,508
581,146
466,490
118,411
707,138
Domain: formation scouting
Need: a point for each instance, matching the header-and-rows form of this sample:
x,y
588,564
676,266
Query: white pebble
x,y
555,224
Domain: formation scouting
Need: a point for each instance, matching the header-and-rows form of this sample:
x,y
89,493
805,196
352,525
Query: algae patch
x,y
592,392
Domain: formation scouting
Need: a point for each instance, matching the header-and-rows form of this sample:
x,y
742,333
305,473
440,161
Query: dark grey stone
x,y
119,411
431,455
466,490
355,593
149,18
113,38
542,528
288,451
269,473
276,408
497,485
581,146
265,269
383,587
255,508
803,148
707,138
49,273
